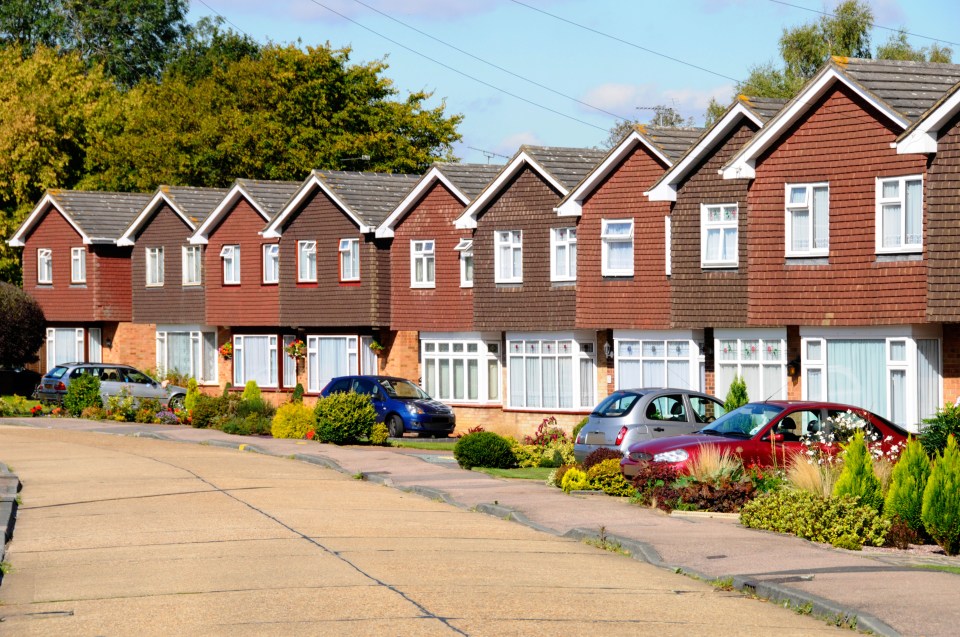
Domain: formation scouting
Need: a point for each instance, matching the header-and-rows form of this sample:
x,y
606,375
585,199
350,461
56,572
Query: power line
x,y
227,20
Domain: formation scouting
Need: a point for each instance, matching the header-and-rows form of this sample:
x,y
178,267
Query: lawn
x,y
30,403
430,445
527,473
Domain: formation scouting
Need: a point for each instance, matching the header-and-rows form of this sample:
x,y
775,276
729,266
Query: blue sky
x,y
712,43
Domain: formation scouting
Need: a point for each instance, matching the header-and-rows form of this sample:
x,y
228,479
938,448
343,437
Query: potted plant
x,y
296,350
226,350
376,346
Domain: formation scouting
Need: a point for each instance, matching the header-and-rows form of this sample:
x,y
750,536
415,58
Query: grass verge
x,y
429,445
527,473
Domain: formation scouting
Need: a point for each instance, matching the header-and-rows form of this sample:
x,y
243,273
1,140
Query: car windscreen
x,y
615,405
133,376
402,389
57,372
744,422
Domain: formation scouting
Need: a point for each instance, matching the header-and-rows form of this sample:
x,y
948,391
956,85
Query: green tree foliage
x,y
857,477
941,499
907,484
251,391
663,117
206,47
939,427
897,48
22,326
736,395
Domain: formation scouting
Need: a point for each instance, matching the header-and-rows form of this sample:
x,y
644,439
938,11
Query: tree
x,y
909,479
941,499
22,326
897,48
736,395
663,117
206,46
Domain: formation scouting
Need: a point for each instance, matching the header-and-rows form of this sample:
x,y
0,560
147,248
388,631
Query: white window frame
x,y
52,350
807,204
721,225
349,260
314,363
271,263
78,265
580,348
44,266
668,245
638,347
764,349
197,344
906,246
230,256
442,354
94,345
507,242
563,268
192,265
306,253
423,251
465,248
154,258
606,238
239,362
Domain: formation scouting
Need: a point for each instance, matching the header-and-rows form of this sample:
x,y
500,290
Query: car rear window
x,y
57,372
616,405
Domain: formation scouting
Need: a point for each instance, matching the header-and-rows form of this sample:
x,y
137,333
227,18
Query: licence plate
x,y
595,439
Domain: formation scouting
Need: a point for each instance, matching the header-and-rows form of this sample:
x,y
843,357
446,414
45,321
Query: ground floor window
x,y
255,357
368,357
65,345
329,357
554,371
757,356
461,367
189,350
657,359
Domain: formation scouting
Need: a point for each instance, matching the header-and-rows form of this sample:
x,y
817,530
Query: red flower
x,y
310,434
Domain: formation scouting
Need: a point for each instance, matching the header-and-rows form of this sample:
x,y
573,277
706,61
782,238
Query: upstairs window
x,y
231,264
154,267
192,265
465,248
900,214
422,264
718,236
78,265
306,261
563,254
616,236
271,263
45,266
508,256
349,259
808,220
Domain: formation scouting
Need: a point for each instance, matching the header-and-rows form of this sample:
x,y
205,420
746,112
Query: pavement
x,y
883,593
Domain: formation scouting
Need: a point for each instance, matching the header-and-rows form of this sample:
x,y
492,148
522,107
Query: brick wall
x,y
113,300
401,354
509,423
132,344
951,362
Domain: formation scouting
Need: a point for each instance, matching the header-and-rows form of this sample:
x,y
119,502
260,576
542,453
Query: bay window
x,y
656,360
554,371
191,351
759,357
255,358
329,357
462,369
64,345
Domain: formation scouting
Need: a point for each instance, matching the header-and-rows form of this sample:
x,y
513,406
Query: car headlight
x,y
414,410
677,455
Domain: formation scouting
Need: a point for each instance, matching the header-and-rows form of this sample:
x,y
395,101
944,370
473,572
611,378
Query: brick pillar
x,y
400,355
951,362
130,344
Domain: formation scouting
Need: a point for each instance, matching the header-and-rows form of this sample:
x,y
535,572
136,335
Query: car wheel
x,y
395,426
176,402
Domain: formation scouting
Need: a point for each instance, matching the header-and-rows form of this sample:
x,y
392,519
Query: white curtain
x,y
210,356
891,225
678,374
587,375
257,363
856,374
774,382
178,353
333,359
532,382
549,382
821,218
928,377
914,221
629,374
898,396
713,245
620,255
65,347
516,381
289,363
654,373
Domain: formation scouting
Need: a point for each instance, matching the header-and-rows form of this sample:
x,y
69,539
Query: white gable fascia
x,y
385,229
923,138
126,239
743,165
572,206
468,220
19,238
313,182
666,188
202,234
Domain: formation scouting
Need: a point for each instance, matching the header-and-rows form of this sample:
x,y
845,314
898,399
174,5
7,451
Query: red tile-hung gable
x,y
330,302
525,204
643,300
251,303
846,143
447,306
112,297
173,302
942,194
703,297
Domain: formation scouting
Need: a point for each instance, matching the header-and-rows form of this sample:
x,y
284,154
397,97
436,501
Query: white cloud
x,y
636,101
510,144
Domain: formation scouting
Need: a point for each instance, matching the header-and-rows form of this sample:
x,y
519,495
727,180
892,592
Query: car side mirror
x,y
776,437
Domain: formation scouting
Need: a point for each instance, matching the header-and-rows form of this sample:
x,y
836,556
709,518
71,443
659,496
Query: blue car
x,y
399,403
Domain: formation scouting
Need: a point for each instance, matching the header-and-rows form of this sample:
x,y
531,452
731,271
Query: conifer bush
x,y
251,390
297,396
736,395
941,499
905,496
936,430
484,449
380,435
190,401
857,478
292,420
344,418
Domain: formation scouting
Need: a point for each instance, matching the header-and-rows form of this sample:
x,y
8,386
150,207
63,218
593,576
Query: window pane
x,y
587,375
774,382
459,379
493,380
516,381
209,356
444,378
898,396
821,218
891,225
928,378
891,189
532,382
429,377
798,195
550,382
815,350
814,384
856,373
800,230
914,220
898,351
713,245
730,244
654,374
678,374
473,379
620,255
629,375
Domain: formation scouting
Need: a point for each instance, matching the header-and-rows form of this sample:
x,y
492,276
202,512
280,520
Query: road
x,y
131,536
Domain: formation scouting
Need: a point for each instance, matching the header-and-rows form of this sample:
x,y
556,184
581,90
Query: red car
x,y
757,431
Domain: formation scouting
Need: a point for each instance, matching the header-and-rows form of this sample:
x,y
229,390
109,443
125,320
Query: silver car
x,y
630,415
114,380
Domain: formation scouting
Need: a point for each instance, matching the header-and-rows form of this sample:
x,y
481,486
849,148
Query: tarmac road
x,y
132,536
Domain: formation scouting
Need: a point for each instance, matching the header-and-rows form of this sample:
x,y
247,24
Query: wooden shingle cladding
x,y
942,194
841,140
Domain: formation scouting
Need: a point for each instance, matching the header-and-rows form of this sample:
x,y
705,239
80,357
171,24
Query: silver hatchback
x,y
114,380
630,415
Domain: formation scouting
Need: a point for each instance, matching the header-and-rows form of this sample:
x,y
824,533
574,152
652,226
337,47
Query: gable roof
x,y
366,198
562,168
666,144
266,197
192,205
463,181
923,135
98,217
899,91
758,110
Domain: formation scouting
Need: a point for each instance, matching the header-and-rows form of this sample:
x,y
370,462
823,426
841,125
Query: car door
x,y
142,386
368,387
704,409
783,440
112,381
669,415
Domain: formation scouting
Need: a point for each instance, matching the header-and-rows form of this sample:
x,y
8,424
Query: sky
x,y
561,72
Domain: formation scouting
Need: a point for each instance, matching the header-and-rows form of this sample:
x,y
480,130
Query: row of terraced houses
x,y
811,246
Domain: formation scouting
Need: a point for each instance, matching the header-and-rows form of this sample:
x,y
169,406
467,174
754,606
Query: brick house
x,y
837,250
525,286
78,274
431,293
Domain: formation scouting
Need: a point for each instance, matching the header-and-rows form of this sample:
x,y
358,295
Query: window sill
x,y
154,285
423,287
895,257
549,410
800,261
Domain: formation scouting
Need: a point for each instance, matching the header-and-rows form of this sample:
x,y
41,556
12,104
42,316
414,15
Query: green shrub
x,y
207,411
580,425
606,476
575,480
555,479
297,396
842,521
144,416
941,499
905,496
524,455
257,406
857,478
121,407
82,392
736,395
16,405
484,449
292,420
380,435
344,418
937,429
193,391
251,390
93,413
